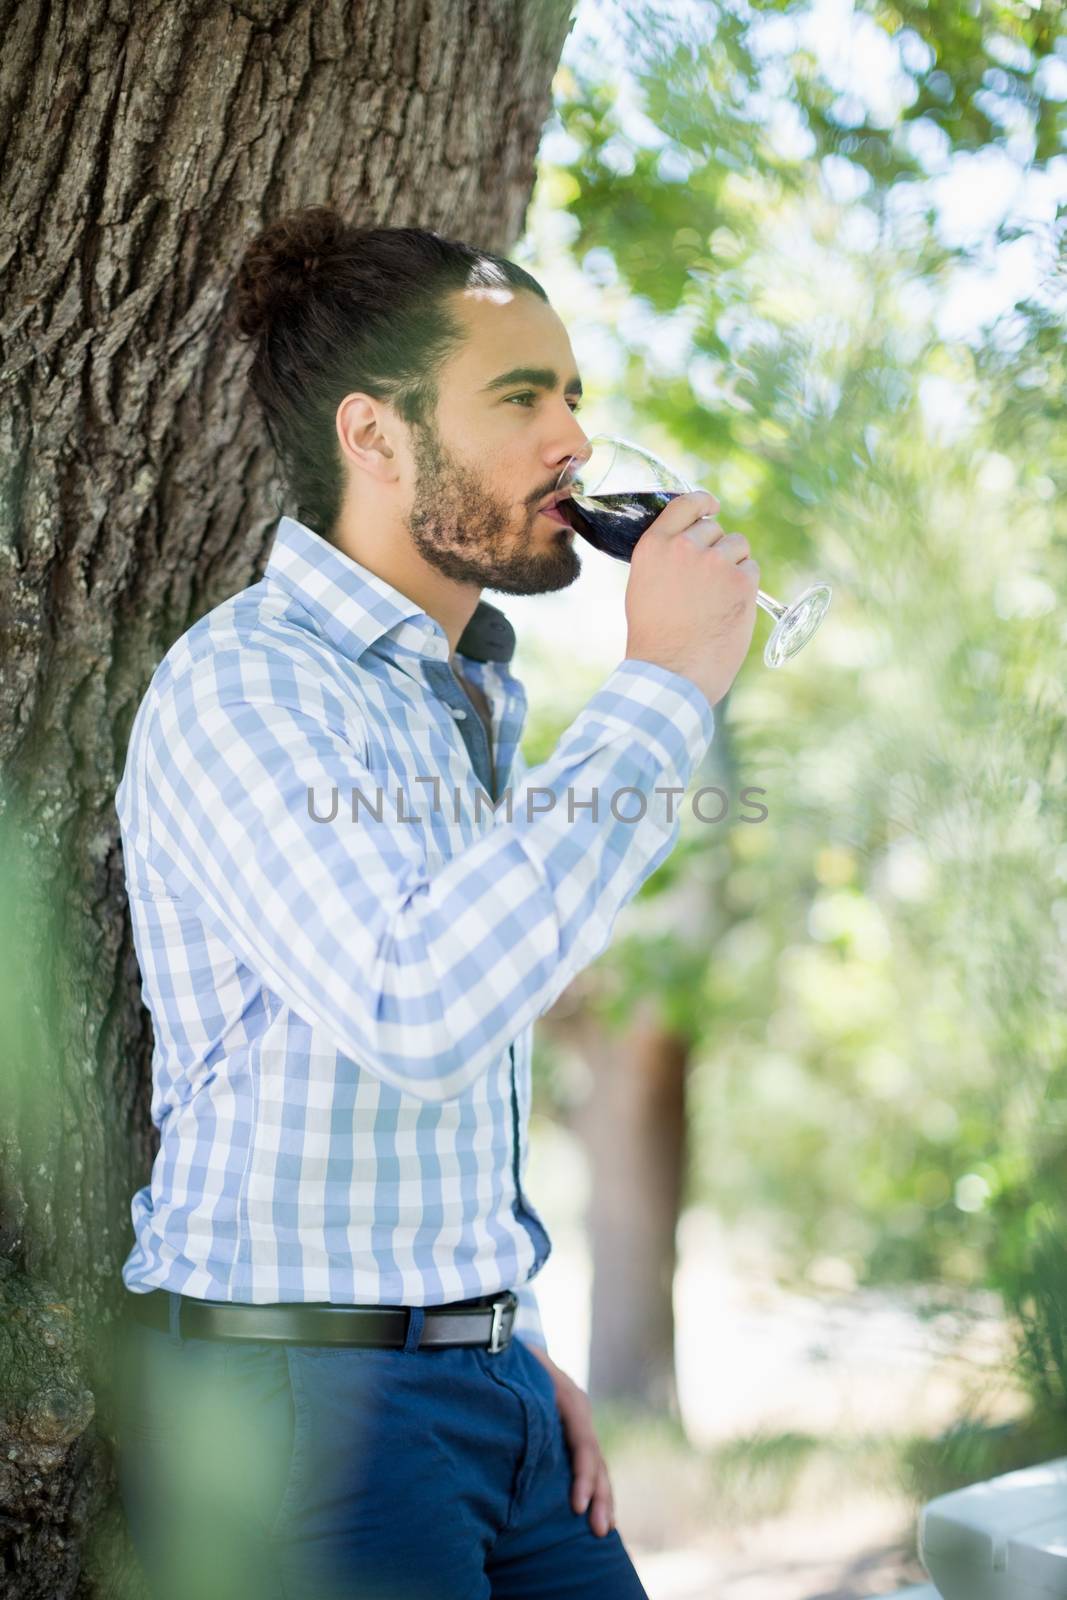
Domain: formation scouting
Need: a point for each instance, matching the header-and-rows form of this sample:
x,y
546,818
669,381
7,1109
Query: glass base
x,y
795,627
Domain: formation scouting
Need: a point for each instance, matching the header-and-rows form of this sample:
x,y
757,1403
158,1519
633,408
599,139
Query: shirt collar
x,y
355,608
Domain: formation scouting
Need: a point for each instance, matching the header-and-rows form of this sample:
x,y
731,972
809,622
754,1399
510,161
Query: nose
x,y
579,449
574,463
582,454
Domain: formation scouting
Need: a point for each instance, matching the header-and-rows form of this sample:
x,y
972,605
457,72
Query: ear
x,y
362,423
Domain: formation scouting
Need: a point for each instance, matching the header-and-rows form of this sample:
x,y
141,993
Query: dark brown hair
x,y
334,308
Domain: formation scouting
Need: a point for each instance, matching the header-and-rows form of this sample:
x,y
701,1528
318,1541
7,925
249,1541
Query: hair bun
x,y
282,262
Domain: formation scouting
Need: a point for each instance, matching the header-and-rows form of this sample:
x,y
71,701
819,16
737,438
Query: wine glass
x,y
617,489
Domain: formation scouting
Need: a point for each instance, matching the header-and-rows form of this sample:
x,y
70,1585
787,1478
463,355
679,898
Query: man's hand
x,y
590,1487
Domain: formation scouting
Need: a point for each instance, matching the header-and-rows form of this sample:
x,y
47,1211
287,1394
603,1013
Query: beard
x,y
463,530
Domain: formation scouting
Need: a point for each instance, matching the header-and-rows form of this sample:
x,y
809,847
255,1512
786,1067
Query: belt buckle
x,y
496,1343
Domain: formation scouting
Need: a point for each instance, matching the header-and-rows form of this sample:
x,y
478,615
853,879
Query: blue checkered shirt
x,y
347,919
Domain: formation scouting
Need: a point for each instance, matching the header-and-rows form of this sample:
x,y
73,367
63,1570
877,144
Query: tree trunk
x,y
632,1118
142,145
632,1122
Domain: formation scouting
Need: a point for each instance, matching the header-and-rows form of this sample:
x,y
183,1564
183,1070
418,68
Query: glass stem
x,y
773,607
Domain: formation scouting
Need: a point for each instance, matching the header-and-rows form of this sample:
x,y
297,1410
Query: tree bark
x,y
143,144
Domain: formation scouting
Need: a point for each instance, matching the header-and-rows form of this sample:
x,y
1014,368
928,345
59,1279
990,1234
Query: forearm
x,y
422,979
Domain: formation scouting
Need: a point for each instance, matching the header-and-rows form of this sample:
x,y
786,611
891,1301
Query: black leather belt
x,y
486,1321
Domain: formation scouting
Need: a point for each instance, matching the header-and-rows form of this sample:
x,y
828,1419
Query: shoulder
x,y
259,649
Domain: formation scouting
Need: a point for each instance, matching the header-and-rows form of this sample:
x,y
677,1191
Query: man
x,y
336,1383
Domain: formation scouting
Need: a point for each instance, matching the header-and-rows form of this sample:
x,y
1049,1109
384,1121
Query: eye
x,y
528,394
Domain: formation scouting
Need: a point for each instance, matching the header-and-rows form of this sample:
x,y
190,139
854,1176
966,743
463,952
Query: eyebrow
x,y
537,377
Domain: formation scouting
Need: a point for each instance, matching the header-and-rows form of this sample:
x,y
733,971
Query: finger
x,y
602,1509
735,546
586,1463
683,511
704,533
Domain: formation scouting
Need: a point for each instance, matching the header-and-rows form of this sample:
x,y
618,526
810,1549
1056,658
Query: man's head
x,y
419,392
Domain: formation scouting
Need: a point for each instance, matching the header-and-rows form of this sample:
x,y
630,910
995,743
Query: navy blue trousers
x,y
255,1471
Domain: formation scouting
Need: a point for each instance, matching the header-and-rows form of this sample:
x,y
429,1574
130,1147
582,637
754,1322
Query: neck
x,y
387,551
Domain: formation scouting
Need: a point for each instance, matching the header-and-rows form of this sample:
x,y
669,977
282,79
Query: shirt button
x,y
457,711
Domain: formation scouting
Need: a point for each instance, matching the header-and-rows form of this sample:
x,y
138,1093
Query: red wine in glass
x,y
618,520
614,490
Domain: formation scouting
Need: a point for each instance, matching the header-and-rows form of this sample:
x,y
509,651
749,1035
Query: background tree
x,y
142,145
872,1026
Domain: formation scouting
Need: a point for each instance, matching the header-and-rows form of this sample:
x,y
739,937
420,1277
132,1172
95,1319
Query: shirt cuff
x,y
663,707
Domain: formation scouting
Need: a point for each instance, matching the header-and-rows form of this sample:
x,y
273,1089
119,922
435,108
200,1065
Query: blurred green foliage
x,y
874,978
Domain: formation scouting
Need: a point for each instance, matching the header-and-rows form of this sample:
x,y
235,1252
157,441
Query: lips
x,y
554,507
